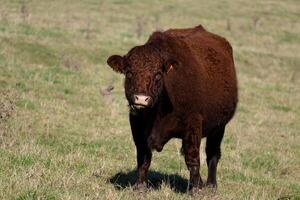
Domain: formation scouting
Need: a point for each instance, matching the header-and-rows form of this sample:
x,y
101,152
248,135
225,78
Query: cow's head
x,y
144,68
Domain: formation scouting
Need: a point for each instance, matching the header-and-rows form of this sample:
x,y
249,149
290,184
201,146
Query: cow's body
x,y
198,97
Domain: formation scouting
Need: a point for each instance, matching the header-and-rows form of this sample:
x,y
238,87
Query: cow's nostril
x,y
142,100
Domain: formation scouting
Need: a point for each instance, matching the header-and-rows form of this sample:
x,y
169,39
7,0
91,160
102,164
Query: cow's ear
x,y
116,62
170,65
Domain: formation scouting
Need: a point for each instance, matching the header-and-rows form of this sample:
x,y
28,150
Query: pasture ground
x,y
60,138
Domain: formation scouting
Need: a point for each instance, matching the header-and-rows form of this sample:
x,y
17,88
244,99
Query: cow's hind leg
x,y
213,154
191,146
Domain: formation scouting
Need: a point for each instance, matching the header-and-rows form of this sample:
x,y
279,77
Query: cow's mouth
x,y
138,106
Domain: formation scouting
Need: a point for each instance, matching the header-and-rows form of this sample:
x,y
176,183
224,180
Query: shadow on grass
x,y
123,180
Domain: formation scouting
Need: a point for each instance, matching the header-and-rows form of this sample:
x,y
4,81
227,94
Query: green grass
x,y
61,139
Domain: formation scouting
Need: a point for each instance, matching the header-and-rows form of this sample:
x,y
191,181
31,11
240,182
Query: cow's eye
x,y
128,75
158,76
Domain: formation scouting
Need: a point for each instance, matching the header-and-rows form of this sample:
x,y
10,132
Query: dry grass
x,y
61,138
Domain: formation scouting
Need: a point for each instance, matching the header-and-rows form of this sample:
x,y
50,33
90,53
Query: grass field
x,y
60,138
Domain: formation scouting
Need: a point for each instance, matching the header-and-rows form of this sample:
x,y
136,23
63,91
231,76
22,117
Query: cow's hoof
x,y
141,187
211,186
195,190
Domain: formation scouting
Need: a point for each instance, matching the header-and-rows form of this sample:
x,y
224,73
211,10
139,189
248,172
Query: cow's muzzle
x,y
141,101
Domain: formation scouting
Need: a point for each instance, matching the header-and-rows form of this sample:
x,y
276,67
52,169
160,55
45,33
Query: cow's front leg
x,y
144,154
191,146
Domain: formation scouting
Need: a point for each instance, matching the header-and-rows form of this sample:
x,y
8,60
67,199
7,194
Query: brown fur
x,y
194,98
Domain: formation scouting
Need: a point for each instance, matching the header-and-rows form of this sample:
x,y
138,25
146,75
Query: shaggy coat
x,y
180,84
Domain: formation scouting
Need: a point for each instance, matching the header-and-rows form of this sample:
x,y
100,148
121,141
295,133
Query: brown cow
x,y
180,84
